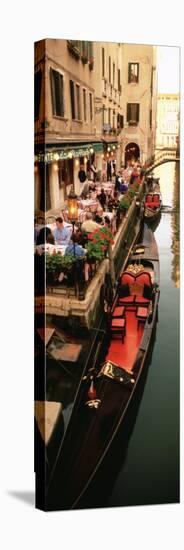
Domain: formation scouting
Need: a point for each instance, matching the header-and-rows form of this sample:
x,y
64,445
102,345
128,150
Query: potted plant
x,y
124,205
98,243
131,193
56,263
84,56
91,63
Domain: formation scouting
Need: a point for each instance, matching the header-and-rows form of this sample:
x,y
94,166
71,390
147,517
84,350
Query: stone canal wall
x,y
86,312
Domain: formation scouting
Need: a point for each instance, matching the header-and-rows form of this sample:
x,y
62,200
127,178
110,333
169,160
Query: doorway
x,y
132,152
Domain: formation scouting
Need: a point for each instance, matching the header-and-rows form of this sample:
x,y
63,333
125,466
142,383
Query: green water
x,y
150,473
143,464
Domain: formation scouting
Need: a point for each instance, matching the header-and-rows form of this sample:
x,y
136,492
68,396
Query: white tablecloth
x,y
51,248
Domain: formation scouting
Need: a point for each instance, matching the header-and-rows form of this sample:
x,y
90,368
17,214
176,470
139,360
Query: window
x,y
113,118
133,72
120,121
57,93
113,74
119,80
103,62
91,107
72,98
78,113
109,116
37,92
133,114
103,115
84,104
109,69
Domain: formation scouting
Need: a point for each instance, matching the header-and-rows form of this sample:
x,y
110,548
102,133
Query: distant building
x,y
139,90
125,101
167,121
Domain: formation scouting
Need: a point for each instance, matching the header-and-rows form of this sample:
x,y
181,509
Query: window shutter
x,y
129,70
57,93
137,117
37,92
72,97
52,92
128,112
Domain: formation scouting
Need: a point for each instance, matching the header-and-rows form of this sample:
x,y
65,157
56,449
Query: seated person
x,y
78,251
99,218
75,248
61,233
107,222
50,238
88,226
43,236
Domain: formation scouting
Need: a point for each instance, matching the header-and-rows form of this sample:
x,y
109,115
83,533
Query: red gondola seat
x,y
148,198
141,314
144,278
118,326
118,312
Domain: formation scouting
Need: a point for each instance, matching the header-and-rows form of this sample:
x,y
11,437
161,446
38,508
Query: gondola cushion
x,y
144,278
118,311
118,323
142,312
124,290
152,204
141,300
127,278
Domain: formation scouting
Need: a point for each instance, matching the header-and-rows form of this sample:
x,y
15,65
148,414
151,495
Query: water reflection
x,y
170,188
175,237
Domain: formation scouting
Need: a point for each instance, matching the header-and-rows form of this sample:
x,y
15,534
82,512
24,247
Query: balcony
x,y
73,47
104,88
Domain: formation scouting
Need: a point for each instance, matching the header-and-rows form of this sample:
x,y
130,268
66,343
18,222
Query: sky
x,y
168,69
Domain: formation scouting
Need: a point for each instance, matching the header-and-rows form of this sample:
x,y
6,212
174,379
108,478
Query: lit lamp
x,y
72,210
72,206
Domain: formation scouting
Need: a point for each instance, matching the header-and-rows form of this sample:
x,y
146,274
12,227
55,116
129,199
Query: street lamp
x,y
72,206
72,210
73,217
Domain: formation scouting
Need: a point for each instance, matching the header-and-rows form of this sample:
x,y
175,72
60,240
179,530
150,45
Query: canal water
x,y
142,466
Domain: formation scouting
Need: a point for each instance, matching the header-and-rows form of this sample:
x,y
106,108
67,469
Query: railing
x,y
164,155
161,158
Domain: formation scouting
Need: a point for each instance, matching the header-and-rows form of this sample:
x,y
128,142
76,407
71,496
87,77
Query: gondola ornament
x,y
93,402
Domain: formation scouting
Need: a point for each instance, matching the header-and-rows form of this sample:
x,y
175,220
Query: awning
x,y
110,141
68,151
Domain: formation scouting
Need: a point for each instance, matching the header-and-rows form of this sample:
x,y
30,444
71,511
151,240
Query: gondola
x,y
152,204
106,391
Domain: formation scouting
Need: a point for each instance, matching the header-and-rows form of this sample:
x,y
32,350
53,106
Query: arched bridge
x,y
161,157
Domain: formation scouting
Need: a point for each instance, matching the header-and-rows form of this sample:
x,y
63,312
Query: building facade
x,y
64,118
108,70
94,102
167,121
139,91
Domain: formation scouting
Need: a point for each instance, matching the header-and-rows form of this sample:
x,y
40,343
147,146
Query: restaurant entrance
x,y
132,152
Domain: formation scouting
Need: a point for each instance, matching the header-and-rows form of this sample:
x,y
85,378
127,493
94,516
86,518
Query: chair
x,y
141,315
118,326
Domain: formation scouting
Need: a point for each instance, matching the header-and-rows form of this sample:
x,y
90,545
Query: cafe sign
x,y
65,154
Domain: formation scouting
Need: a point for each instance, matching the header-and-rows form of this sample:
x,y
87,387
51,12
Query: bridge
x,y
161,157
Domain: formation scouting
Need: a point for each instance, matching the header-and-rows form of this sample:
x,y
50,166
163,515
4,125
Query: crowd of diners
x,y
74,239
